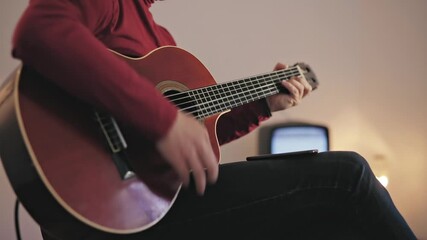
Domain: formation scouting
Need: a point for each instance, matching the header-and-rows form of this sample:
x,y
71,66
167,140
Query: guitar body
x,y
57,161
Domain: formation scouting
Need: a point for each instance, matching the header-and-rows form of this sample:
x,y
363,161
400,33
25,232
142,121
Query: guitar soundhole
x,y
183,101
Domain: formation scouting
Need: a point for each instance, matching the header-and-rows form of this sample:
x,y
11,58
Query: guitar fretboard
x,y
210,100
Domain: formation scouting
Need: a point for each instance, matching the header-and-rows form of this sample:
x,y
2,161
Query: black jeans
x,y
331,195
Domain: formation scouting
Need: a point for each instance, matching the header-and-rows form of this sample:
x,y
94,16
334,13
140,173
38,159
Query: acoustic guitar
x,y
80,173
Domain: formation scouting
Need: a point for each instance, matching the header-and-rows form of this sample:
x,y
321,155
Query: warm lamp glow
x,y
383,180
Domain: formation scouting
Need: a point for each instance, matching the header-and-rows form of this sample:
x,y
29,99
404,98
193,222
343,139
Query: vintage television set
x,y
292,137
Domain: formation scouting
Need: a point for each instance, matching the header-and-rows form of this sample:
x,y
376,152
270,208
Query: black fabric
x,y
331,195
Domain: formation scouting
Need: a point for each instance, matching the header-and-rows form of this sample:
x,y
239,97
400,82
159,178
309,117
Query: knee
x,y
354,158
357,165
344,156
353,162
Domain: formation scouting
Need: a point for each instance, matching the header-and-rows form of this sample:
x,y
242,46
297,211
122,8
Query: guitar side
x,y
58,164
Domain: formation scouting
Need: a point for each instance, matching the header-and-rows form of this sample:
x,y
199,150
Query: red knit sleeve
x,y
241,121
58,39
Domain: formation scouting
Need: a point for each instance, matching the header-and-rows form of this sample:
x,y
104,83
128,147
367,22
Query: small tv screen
x,y
293,137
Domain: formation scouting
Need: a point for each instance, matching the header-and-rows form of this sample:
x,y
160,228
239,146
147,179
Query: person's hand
x,y
298,88
188,149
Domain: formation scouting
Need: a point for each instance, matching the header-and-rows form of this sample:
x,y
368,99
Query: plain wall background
x,y
369,55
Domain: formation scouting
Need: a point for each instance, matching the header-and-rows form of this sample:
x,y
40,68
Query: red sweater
x,y
67,41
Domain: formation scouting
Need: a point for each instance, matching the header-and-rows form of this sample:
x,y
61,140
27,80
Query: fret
x,y
216,104
209,96
241,95
209,100
204,105
201,105
223,97
190,103
244,94
208,105
253,94
257,86
232,92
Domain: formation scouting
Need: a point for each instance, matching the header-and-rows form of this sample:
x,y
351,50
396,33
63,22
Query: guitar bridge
x,y
116,143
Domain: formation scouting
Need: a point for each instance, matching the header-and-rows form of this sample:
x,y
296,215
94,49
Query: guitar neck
x,y
207,101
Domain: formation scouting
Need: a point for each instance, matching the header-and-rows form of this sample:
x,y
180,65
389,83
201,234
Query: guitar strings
x,y
270,79
206,108
287,73
240,97
220,98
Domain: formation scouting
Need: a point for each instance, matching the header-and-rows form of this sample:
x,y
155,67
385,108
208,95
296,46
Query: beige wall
x,y
370,57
